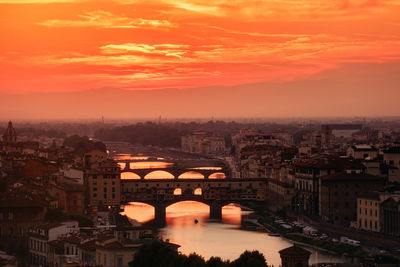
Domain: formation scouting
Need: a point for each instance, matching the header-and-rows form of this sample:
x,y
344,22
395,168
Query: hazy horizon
x,y
333,93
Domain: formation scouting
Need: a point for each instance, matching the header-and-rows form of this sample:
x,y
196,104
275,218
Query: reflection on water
x,y
139,212
209,238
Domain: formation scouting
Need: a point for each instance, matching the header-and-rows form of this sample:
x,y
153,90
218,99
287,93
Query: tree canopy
x,y
83,143
156,253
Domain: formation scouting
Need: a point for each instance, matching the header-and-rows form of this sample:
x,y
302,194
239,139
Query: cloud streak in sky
x,y
131,44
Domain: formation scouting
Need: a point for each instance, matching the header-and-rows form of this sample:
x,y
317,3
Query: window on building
x,y
120,260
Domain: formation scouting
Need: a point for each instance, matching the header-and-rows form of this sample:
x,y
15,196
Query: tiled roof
x,y
393,150
21,200
370,195
351,177
325,161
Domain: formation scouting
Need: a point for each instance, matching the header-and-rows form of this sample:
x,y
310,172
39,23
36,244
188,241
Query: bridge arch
x,y
191,175
178,191
198,191
158,174
217,175
129,175
143,212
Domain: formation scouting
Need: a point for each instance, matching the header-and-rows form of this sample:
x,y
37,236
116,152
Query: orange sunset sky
x,y
183,58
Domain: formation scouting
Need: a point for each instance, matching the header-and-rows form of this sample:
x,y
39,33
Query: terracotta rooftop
x,y
13,199
47,226
351,177
325,161
364,147
283,184
393,150
89,245
369,195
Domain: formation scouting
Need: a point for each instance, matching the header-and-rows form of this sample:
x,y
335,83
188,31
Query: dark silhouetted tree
x,y
250,259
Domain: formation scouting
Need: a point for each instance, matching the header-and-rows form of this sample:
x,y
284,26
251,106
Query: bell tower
x,y
10,135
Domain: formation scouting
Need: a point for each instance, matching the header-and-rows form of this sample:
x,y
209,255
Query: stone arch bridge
x,y
174,171
216,193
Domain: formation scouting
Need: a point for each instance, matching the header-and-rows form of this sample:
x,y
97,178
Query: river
x,y
212,238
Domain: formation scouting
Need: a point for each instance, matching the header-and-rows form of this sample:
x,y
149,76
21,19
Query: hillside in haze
x,y
331,93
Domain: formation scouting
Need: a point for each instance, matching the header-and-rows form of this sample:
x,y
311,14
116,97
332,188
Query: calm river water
x,y
210,238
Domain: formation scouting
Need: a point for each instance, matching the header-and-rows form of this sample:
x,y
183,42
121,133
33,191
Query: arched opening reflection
x,y
159,175
198,192
186,213
140,212
129,175
177,192
217,175
191,175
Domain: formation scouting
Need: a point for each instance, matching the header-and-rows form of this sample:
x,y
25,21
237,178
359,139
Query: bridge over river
x,y
216,193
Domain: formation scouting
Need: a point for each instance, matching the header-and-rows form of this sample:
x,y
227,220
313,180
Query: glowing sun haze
x,y
72,45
